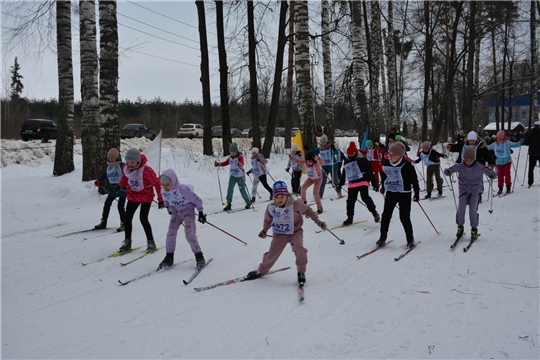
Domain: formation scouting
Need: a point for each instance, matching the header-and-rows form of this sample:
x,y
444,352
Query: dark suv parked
x,y
39,129
137,130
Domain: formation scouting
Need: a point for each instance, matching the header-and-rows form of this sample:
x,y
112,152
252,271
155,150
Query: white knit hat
x,y
472,136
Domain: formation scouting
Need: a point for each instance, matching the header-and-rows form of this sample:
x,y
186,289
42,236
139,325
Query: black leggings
x,y
107,207
143,215
295,181
263,181
391,200
353,196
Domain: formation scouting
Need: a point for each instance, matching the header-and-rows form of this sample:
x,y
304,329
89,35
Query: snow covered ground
x,y
433,304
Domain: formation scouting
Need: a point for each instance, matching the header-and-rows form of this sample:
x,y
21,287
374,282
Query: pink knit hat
x,y
501,135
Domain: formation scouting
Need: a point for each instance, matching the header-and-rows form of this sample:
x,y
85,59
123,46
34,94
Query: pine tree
x,y
16,83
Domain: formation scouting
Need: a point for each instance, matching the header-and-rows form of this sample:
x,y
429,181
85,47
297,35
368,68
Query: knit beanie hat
x,y
468,153
472,136
397,148
501,135
233,147
352,150
536,124
280,188
426,144
392,136
310,157
323,138
133,155
255,150
165,179
369,143
398,138
294,147
113,153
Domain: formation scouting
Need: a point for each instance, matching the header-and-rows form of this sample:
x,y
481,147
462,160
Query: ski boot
x,y
500,191
248,205
150,245
252,199
410,243
126,246
460,231
508,189
381,242
252,275
319,210
102,225
301,278
428,195
474,234
349,221
376,216
199,258
227,207
120,228
439,194
167,262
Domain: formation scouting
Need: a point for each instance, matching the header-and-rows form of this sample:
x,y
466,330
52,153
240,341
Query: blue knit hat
x,y
280,188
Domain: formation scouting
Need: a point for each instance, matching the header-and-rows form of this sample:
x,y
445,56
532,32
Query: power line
x,y
183,37
159,37
160,57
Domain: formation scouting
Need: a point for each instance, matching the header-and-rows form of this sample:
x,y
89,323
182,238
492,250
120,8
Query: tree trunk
x,y
327,70
205,80
253,89
495,81
303,76
392,121
108,75
90,139
376,53
290,73
428,63
274,105
469,88
533,117
360,101
223,80
63,157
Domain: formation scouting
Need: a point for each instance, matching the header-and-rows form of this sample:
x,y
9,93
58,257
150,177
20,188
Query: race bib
x,y
173,198
282,219
326,155
234,170
394,179
256,167
352,171
501,150
369,155
311,172
114,174
135,178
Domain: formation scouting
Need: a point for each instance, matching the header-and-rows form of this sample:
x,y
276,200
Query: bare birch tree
x,y
223,80
534,67
376,52
253,88
392,123
327,71
290,74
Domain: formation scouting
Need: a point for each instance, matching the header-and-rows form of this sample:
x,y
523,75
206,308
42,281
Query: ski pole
x,y
341,241
515,172
491,191
418,202
452,190
219,183
234,237
524,170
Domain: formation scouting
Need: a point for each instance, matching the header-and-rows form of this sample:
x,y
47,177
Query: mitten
x,y
376,187
161,205
116,188
262,234
202,217
382,190
447,172
493,175
448,147
287,169
96,183
216,163
322,225
332,147
416,197
248,172
259,160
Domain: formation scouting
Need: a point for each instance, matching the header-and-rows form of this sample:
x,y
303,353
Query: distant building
x,y
491,128
521,106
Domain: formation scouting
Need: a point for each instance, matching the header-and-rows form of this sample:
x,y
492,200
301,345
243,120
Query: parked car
x,y
338,132
39,129
235,132
217,131
294,131
280,131
246,133
137,130
190,131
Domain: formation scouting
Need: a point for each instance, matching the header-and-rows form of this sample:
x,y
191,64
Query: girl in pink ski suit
x,y
314,172
285,216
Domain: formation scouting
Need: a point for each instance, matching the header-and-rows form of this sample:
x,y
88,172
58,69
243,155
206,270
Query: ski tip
x,y
185,282
123,283
342,242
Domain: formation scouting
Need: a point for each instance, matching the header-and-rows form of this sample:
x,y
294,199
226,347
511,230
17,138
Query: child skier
x,y
236,176
504,160
431,159
284,216
297,169
359,174
180,200
470,185
113,172
399,180
140,181
330,166
314,173
374,155
258,169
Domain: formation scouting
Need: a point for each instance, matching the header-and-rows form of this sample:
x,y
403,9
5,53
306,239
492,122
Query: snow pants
x,y
107,207
143,216
353,196
472,201
190,230
431,171
390,201
316,185
295,181
532,164
503,175
241,186
278,244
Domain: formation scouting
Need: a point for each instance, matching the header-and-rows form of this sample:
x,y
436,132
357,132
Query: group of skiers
x,y
387,169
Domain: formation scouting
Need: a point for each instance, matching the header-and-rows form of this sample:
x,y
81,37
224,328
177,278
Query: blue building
x,y
520,108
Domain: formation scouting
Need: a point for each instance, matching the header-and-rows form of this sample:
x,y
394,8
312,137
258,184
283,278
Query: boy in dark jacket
x,y
431,159
399,180
113,171
533,140
358,173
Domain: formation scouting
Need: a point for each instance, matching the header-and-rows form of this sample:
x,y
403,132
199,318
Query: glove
x,y
262,234
322,225
202,217
493,175
116,188
332,147
376,187
216,163
448,147
248,172
382,190
287,169
169,211
96,183
447,172
161,205
259,160
416,197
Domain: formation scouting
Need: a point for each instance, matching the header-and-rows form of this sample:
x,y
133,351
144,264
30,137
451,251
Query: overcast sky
x,y
164,59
